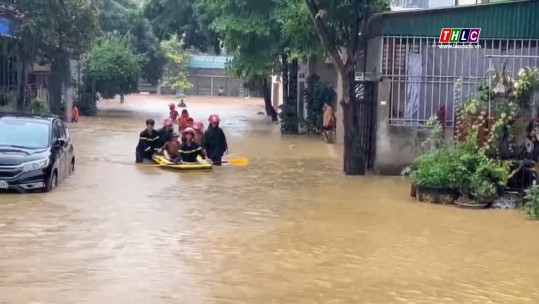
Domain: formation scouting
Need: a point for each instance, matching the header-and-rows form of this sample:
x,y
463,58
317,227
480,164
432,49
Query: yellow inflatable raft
x,y
165,163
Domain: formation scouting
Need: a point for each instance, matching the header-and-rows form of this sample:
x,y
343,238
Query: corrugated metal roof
x,y
517,19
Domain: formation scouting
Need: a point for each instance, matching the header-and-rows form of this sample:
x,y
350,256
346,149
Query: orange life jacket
x,y
183,122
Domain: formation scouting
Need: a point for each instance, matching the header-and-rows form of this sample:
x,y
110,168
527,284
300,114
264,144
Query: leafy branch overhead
x,y
184,19
43,34
124,17
340,25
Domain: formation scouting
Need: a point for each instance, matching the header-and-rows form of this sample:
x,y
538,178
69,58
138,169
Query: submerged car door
x,y
60,149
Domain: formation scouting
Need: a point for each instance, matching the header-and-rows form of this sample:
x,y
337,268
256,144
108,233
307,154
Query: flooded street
x,y
289,228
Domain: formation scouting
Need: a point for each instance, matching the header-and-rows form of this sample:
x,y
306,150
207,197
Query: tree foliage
x,y
53,32
258,33
112,65
184,19
44,34
175,75
252,34
297,29
125,17
340,25
249,32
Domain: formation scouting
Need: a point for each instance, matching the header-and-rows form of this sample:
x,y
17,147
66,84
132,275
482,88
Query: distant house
x,y
207,74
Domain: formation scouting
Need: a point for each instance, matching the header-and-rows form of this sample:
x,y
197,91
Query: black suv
x,y
36,152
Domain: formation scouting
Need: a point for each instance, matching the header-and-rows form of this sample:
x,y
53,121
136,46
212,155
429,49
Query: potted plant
x,y
434,177
481,179
432,173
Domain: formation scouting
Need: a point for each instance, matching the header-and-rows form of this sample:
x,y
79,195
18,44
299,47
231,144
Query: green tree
x,y
340,25
296,27
184,19
48,39
259,34
263,36
175,75
125,17
112,67
55,31
251,33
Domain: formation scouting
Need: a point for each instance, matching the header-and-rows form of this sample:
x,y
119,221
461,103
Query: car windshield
x,y
24,133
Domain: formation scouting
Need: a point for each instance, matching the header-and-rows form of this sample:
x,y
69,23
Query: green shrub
x,y
435,169
530,203
39,106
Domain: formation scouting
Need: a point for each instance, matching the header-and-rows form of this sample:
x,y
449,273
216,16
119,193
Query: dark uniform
x,y
190,152
149,142
164,135
215,144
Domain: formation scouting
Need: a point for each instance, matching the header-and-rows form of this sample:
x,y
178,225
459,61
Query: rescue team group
x,y
193,144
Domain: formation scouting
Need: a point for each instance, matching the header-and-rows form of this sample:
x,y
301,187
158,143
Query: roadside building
x,y
407,76
415,77
208,76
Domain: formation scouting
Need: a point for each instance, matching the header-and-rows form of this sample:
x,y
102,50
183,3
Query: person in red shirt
x,y
173,113
183,121
75,114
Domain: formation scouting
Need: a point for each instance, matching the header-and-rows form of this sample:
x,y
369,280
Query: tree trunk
x,y
21,86
292,106
122,98
266,92
59,74
353,158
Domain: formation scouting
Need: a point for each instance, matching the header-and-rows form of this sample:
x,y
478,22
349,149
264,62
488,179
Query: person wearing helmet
x,y
171,149
215,143
199,133
173,113
166,131
183,121
148,142
190,151
190,123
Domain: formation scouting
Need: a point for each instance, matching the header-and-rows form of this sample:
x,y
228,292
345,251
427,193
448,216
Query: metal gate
x,y
366,99
423,73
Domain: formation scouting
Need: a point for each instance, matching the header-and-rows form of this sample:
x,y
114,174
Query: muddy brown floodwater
x,y
289,228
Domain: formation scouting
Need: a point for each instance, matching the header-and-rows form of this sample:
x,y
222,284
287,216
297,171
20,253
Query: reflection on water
x,y
290,228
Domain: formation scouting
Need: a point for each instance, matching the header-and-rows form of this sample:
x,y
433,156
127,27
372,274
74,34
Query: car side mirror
x,y
59,142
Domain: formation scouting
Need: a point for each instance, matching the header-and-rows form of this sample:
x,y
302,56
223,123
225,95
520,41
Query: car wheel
x,y
52,182
72,166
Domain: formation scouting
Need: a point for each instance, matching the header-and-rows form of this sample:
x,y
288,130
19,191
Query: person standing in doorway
x,y
221,91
